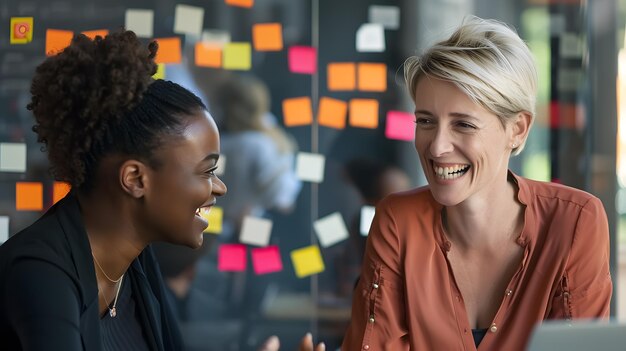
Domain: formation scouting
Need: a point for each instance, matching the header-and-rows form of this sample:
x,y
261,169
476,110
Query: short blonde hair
x,y
488,61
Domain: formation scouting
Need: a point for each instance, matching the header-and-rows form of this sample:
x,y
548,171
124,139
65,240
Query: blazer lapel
x,y
149,312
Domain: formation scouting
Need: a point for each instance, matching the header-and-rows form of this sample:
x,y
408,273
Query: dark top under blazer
x,y
49,293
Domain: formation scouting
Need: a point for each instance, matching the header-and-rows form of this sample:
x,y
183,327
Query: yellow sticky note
x,y
169,50
332,113
160,73
21,30
28,196
297,111
341,76
240,3
59,190
214,217
208,55
92,34
267,36
364,113
57,40
307,261
237,55
372,76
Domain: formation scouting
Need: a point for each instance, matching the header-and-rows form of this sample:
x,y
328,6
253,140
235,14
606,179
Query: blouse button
x,y
375,285
447,245
494,328
366,347
372,320
509,292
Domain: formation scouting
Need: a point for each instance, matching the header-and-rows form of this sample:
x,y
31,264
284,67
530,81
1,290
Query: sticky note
x,y
231,258
169,50
297,111
332,113
92,34
341,76
4,229
12,157
387,16
215,217
331,229
140,21
400,125
307,261
302,59
571,45
59,190
216,37
57,40
310,167
255,231
28,196
266,260
267,36
363,113
208,55
367,216
240,3
221,165
160,73
237,56
370,37
372,76
21,30
188,20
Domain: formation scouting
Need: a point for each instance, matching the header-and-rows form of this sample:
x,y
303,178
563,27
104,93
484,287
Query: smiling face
x,y
184,183
463,148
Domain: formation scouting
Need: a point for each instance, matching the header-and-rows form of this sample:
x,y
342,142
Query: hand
x,y
273,344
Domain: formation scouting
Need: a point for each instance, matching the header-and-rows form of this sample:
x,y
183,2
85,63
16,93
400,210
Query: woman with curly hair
x,y
140,155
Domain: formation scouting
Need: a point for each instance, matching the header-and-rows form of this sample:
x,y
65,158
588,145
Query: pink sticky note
x,y
400,126
266,260
231,258
302,59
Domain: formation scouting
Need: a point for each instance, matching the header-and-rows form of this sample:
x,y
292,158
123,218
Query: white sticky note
x,y
188,20
215,37
331,229
571,45
4,229
221,165
141,22
255,231
12,157
388,16
310,167
367,216
370,37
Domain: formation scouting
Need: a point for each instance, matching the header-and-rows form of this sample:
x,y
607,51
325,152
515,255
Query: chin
x,y
447,200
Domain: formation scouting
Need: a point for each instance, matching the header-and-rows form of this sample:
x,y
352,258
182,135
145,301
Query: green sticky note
x,y
237,56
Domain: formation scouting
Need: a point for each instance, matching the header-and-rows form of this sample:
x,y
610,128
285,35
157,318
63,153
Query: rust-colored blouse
x,y
407,299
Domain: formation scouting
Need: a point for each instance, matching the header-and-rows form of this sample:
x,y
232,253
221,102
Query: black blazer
x,y
49,293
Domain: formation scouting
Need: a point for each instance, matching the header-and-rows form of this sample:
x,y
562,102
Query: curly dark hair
x,y
97,97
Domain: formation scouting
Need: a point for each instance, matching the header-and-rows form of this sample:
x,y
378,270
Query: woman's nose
x,y
441,143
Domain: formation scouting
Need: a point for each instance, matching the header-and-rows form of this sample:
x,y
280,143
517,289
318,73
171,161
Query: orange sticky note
x,y
372,76
341,76
267,36
92,34
169,50
240,3
208,55
364,113
332,113
59,190
297,111
21,30
57,40
28,196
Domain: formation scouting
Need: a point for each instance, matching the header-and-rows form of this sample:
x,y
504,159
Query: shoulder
x,y
546,192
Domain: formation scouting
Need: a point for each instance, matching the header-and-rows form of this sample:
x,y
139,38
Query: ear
x,y
134,178
520,126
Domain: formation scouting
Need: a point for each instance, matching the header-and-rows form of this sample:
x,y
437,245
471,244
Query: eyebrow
x,y
453,114
210,157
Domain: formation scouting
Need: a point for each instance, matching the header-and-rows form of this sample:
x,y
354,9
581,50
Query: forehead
x,y
198,138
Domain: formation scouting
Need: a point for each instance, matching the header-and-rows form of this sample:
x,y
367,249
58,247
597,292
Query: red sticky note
x,y
92,34
231,258
297,111
208,55
169,50
341,76
267,36
57,40
332,113
372,77
59,190
28,196
302,59
364,113
266,260
400,126
240,3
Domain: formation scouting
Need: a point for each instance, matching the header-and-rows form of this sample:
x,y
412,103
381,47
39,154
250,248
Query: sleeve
x,y
43,306
586,287
378,310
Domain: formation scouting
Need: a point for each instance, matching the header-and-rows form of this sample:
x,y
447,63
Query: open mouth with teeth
x,y
203,211
451,172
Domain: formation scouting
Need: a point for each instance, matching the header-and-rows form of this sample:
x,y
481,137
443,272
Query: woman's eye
x,y
466,125
211,172
423,121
